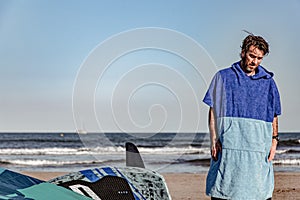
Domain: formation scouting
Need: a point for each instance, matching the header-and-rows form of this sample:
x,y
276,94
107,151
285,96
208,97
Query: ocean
x,y
163,152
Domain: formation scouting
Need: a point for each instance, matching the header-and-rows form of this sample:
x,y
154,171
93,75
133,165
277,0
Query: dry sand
x,y
192,186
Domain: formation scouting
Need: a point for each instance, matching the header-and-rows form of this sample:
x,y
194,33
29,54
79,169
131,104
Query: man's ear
x,y
242,54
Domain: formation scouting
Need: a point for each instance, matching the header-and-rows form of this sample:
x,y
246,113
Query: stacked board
x,y
128,183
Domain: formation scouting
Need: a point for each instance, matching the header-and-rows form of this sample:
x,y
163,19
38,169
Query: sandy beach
x,y
192,186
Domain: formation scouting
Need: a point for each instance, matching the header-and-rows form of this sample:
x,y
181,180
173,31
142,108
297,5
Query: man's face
x,y
251,60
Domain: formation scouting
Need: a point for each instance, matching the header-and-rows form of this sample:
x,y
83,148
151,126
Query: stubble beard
x,y
247,68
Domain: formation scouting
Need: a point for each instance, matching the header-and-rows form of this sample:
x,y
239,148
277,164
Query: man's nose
x,y
255,61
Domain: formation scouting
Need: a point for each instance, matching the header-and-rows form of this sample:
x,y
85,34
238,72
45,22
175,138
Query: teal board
x,y
16,186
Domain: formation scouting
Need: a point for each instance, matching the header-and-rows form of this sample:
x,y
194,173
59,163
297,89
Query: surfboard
x,y
132,182
16,186
127,183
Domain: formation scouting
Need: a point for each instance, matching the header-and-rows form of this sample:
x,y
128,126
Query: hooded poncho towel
x,y
245,107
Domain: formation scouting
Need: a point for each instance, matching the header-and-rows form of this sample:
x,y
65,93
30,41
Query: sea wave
x,y
174,150
101,151
287,162
49,162
36,162
61,151
289,142
288,151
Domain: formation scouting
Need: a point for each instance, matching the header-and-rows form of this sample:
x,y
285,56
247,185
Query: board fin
x,y
133,157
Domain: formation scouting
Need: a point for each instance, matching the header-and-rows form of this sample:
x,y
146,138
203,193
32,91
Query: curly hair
x,y
256,41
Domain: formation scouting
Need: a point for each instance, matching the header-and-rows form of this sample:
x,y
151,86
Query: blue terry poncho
x,y
245,107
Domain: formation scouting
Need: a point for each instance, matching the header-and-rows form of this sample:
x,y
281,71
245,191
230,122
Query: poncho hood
x,y
261,72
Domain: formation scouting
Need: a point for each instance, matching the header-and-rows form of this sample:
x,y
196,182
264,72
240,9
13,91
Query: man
x,y
244,104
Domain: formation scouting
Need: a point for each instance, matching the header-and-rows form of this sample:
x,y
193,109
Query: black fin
x,y
133,157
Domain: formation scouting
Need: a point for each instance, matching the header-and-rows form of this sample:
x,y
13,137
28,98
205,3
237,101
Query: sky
x,y
134,66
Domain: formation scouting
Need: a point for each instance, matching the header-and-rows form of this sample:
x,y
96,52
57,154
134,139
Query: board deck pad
x,y
106,183
102,189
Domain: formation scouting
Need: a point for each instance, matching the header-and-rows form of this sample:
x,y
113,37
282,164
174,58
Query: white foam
x,y
103,151
34,162
287,162
281,151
